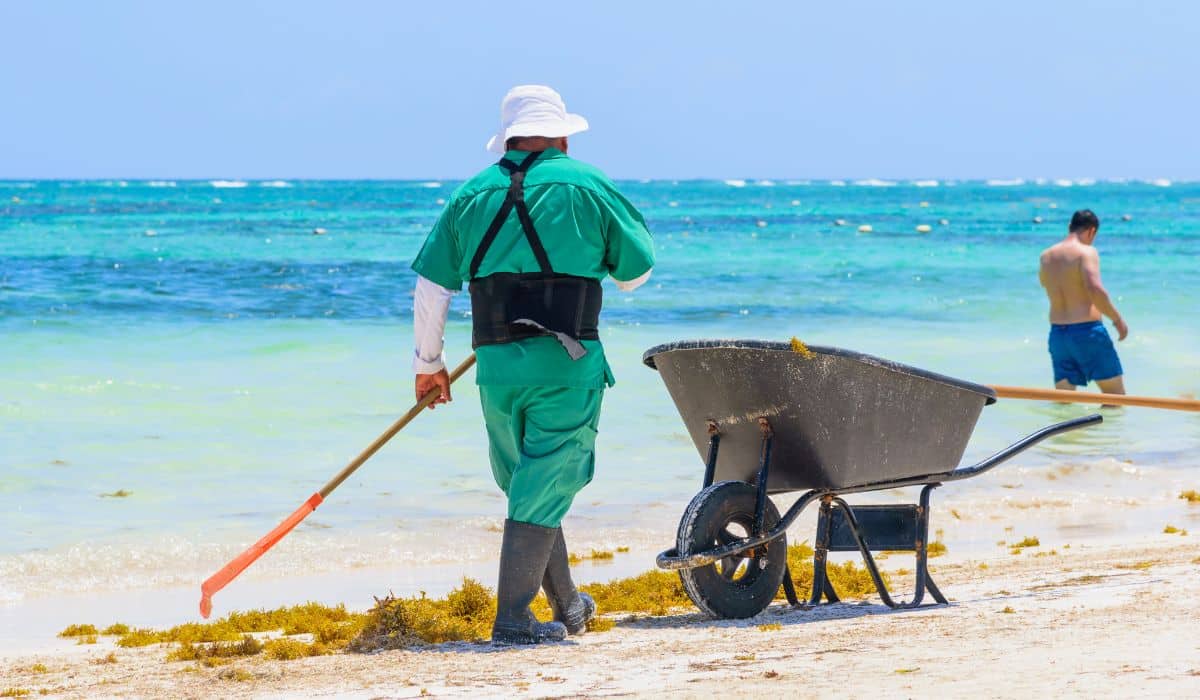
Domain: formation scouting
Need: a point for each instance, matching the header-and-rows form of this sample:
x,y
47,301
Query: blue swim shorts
x,y
1083,352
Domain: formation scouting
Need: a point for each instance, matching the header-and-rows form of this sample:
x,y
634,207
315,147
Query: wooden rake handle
x,y
390,433
239,563
1022,392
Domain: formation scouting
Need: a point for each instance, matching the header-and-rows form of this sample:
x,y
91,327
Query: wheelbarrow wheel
x,y
742,585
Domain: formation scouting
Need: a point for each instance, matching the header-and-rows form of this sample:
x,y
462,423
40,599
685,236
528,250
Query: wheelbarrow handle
x,y
1020,446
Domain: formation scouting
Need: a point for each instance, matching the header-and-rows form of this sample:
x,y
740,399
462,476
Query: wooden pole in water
x,y
1064,396
239,563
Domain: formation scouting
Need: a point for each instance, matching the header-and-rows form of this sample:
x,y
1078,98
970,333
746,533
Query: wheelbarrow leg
x,y
924,579
789,588
933,590
865,550
764,472
714,444
821,586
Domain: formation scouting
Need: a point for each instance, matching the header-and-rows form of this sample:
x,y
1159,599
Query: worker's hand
x,y
429,382
1122,329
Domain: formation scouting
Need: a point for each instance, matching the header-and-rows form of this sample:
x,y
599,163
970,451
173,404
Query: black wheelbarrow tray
x,y
768,419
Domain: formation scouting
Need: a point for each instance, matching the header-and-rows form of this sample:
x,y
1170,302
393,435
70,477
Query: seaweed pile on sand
x,y
310,629
464,615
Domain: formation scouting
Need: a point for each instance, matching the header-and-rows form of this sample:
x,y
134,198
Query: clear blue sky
x,y
673,89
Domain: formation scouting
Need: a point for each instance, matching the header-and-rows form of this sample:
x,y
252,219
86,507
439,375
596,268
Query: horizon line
x,y
1014,181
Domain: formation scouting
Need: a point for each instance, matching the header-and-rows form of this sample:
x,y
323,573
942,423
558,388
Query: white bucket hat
x,y
534,110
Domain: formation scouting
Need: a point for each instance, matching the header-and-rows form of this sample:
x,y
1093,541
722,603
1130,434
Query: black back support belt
x,y
508,306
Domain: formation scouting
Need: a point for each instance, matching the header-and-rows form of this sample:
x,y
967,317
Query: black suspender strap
x,y
515,199
535,242
490,236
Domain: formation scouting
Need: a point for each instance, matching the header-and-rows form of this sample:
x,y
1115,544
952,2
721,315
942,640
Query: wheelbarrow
x,y
769,419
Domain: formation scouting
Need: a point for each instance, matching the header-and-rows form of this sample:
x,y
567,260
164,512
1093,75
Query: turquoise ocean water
x,y
197,346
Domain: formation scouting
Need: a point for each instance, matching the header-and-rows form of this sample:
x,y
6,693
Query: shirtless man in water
x,y
1080,348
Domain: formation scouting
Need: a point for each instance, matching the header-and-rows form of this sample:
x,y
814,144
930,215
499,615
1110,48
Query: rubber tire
x,y
709,513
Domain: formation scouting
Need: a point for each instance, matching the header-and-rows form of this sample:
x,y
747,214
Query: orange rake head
x,y
239,563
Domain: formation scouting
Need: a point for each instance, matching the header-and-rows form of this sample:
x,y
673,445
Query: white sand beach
x,y
1087,621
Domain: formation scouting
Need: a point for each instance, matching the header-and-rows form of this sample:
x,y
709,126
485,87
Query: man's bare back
x,y
1062,274
1079,344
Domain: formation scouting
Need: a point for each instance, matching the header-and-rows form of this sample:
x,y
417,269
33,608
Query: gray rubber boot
x,y
571,607
523,557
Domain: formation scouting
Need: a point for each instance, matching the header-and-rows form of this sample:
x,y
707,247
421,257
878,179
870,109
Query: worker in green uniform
x,y
533,236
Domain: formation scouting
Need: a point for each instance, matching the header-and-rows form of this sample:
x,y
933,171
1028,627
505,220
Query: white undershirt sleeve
x,y
431,306
633,283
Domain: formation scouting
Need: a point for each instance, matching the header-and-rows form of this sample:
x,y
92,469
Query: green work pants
x,y
542,442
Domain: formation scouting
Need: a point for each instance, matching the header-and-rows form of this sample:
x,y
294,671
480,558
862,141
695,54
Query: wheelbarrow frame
x,y
832,498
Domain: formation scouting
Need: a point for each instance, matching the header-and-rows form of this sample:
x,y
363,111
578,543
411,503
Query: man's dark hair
x,y
1083,220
